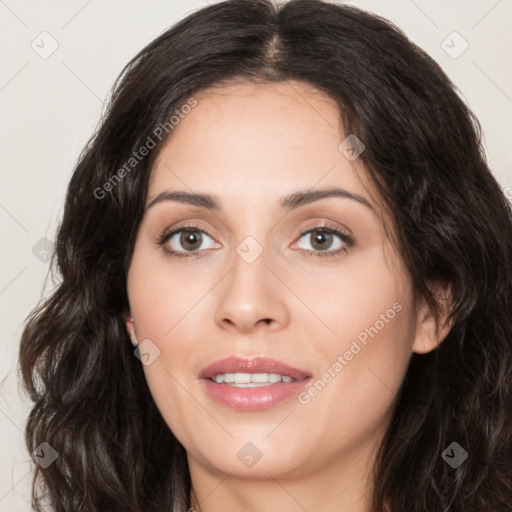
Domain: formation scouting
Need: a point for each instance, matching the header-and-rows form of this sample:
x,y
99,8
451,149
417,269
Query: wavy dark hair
x,y
453,225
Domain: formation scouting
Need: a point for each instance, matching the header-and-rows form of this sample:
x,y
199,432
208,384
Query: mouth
x,y
252,384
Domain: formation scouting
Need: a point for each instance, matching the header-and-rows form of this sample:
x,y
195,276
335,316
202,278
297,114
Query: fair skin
x,y
250,145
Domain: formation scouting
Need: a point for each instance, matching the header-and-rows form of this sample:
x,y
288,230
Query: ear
x,y
429,335
130,328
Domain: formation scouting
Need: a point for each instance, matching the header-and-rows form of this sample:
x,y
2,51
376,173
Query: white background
x,y
49,108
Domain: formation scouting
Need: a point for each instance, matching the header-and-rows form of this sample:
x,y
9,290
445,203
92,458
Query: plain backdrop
x,y
50,103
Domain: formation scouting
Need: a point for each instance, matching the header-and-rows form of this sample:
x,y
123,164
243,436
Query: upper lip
x,y
251,365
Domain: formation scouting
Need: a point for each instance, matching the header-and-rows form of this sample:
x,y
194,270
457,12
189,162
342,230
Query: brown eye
x,y
186,241
320,240
325,241
190,240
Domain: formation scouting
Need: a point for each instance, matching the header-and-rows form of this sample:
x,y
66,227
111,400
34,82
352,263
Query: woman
x,y
286,281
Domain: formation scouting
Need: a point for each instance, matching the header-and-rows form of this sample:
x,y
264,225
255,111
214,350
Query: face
x,y
309,281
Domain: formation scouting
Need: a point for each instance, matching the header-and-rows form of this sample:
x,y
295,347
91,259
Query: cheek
x,y
370,292
163,295
166,303
370,314
358,301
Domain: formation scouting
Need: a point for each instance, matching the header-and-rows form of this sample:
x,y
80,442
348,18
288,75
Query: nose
x,y
252,297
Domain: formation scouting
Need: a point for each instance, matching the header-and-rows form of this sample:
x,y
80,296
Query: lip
x,y
257,398
252,365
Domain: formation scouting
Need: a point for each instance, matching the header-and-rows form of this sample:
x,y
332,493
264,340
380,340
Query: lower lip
x,y
254,399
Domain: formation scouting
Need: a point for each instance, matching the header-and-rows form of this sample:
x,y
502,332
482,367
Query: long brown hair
x,y
423,152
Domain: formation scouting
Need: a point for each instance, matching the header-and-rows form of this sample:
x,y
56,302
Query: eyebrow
x,y
289,202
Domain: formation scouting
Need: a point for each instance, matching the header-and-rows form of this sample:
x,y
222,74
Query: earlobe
x,y
429,334
130,329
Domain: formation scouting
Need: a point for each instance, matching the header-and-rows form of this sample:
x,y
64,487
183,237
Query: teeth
x,y
250,380
274,377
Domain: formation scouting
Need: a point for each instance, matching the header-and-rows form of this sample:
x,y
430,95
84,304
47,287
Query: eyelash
x,y
325,228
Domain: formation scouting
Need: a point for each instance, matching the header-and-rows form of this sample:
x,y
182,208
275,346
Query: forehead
x,y
250,140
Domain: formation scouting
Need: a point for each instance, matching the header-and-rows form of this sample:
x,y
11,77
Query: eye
x,y
325,241
189,240
185,241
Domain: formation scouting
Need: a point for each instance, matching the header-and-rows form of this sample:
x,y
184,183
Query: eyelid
x,y
176,228
325,224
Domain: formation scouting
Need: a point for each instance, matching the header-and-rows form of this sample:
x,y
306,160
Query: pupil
x,y
191,238
321,238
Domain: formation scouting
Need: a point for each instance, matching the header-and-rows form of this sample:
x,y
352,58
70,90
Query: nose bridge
x,y
251,292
